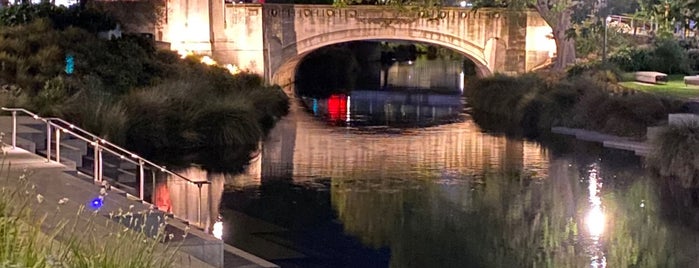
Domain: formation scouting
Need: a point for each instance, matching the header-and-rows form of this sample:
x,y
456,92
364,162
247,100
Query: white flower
x,y
171,236
62,201
39,198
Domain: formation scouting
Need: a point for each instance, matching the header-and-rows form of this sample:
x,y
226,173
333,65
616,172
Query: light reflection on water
x,y
455,194
595,220
378,179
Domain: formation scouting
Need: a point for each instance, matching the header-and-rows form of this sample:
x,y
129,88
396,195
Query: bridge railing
x,y
56,126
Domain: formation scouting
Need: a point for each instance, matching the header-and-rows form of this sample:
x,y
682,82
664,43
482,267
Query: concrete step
x,y
70,152
23,143
69,163
38,138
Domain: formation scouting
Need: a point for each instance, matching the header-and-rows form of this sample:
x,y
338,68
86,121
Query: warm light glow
x,y
184,53
218,230
595,222
462,3
540,39
232,69
595,219
208,60
461,81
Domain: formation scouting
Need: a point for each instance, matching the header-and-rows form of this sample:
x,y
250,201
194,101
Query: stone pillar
x,y
187,26
516,43
238,36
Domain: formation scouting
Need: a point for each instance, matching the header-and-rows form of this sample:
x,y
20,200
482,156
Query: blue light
x,y
315,106
70,64
96,203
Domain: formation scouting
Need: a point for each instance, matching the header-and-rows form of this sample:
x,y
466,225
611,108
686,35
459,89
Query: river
x,y
401,178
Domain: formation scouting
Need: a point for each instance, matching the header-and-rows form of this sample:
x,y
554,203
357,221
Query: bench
x,y
691,80
651,77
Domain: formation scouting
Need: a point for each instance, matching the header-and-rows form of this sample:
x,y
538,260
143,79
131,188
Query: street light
x,y
604,47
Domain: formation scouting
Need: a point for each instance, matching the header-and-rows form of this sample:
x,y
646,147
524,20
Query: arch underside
x,y
293,53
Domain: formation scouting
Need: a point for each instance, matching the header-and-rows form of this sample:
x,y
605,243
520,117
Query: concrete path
x,y
609,141
58,183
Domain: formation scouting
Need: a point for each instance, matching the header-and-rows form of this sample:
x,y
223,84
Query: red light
x,y
337,107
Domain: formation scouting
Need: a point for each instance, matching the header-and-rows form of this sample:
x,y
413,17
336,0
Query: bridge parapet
x,y
271,39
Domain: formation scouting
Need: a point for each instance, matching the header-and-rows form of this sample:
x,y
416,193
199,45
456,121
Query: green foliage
x,y
128,92
630,59
666,56
89,19
587,98
675,154
693,59
30,55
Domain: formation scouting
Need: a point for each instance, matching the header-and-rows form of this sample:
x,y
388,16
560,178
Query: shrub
x,y
585,100
693,59
630,59
675,154
668,57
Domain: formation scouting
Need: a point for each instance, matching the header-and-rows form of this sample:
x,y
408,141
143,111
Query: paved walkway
x,y
56,182
610,141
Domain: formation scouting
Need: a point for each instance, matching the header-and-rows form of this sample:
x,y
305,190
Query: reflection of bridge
x,y
298,146
271,39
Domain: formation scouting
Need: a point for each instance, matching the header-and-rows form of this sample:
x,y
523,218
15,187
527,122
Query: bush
x,y
630,59
585,101
668,57
675,154
693,59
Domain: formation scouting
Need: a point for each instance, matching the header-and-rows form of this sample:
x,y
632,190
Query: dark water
x,y
404,179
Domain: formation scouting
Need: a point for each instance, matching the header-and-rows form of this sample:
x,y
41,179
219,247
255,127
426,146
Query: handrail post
x,y
14,129
48,141
199,184
101,165
141,178
58,145
96,162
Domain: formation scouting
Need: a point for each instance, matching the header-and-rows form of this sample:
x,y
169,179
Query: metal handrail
x,y
118,148
99,145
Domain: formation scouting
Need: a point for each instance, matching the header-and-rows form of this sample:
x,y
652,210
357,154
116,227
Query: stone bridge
x,y
272,39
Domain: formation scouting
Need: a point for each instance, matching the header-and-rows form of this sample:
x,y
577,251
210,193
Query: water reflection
x,y
595,219
380,192
445,196
367,108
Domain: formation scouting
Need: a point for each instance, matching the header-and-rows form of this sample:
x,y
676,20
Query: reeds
x,y
32,234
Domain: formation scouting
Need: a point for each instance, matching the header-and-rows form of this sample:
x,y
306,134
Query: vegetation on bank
x,y
126,90
541,101
603,96
676,155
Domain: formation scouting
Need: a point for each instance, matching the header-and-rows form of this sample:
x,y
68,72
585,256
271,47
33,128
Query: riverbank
x,y
55,196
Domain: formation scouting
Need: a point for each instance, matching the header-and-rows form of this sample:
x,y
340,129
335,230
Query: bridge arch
x,y
284,73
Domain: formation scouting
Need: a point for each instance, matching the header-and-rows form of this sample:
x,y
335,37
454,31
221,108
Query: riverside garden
x,y
156,102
